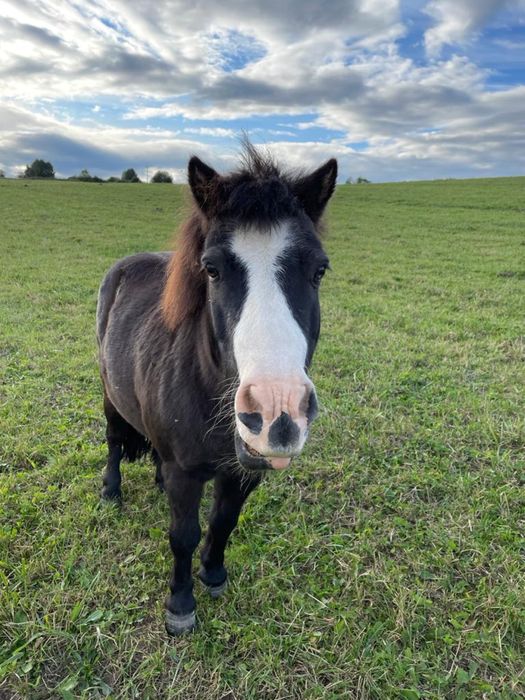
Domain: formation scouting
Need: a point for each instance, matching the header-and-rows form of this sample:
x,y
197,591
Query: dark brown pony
x,y
204,351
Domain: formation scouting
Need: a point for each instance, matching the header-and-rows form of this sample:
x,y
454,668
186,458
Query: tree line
x,y
357,181
44,169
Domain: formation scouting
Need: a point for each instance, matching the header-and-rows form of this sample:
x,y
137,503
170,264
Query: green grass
x,y
387,563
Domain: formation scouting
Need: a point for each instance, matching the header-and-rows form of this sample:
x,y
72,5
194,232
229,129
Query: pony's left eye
x,y
319,273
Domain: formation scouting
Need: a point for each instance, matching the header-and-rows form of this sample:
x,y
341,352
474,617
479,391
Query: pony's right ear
x,y
203,181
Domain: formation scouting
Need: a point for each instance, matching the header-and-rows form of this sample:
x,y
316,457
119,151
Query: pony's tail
x,y
134,445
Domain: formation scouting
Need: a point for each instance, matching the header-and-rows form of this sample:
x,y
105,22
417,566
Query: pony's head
x,y
257,258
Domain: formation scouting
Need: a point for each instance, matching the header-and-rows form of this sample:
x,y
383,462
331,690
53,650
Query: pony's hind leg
x,y
159,479
124,442
116,429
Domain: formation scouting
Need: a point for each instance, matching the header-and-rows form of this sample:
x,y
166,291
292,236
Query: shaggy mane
x,y
184,292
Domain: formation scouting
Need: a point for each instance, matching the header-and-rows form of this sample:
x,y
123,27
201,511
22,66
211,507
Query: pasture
x,y
387,562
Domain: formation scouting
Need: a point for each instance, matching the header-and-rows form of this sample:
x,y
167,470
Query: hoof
x,y
217,591
111,495
180,624
214,589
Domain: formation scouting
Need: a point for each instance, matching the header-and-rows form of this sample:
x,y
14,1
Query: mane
x,y
184,292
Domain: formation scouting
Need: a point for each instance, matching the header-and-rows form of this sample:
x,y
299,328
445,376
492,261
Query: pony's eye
x,y
211,271
319,273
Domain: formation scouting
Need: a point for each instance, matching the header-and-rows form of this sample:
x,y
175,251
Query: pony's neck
x,y
211,364
184,304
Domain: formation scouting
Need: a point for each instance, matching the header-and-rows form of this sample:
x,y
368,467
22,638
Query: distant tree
x,y
161,176
349,180
84,176
39,168
2,174
113,179
130,175
362,181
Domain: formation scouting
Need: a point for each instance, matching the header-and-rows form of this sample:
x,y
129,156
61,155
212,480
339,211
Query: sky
x,y
395,89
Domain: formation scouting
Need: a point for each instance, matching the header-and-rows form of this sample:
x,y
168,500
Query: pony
x,y
204,352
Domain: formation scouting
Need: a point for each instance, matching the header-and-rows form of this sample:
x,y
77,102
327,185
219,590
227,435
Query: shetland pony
x,y
204,353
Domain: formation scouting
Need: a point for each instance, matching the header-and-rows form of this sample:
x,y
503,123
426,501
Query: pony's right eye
x,y
211,271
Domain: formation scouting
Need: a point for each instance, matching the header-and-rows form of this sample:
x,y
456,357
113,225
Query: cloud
x,y
33,35
402,98
458,20
216,132
167,48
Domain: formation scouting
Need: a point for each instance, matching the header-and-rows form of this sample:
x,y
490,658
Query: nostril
x,y
253,421
313,408
246,400
283,432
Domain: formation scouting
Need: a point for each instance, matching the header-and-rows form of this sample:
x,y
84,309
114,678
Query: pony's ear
x,y
203,180
314,190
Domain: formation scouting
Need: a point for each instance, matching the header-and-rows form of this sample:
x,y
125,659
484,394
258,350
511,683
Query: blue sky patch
x,y
234,50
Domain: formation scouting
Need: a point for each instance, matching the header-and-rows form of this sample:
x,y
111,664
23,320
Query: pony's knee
x,y
185,537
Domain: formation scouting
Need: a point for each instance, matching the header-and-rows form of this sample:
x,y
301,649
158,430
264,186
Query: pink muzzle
x,y
272,416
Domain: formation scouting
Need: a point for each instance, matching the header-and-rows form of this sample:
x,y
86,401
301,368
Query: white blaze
x,y
268,341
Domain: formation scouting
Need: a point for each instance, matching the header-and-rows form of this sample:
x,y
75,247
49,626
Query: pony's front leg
x,y
231,491
184,495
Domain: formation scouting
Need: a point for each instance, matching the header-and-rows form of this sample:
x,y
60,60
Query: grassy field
x,y
387,563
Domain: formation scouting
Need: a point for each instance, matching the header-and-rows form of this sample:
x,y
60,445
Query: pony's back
x,y
126,275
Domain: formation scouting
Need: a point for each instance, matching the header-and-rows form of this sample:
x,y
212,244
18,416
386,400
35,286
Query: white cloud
x,y
166,48
458,20
216,132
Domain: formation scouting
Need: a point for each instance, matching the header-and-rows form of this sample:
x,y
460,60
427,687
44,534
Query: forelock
x,y
259,192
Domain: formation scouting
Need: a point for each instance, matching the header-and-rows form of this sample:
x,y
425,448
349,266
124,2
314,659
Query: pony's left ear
x,y
202,180
314,190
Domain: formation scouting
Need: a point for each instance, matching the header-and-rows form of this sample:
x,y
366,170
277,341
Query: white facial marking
x,y
267,341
